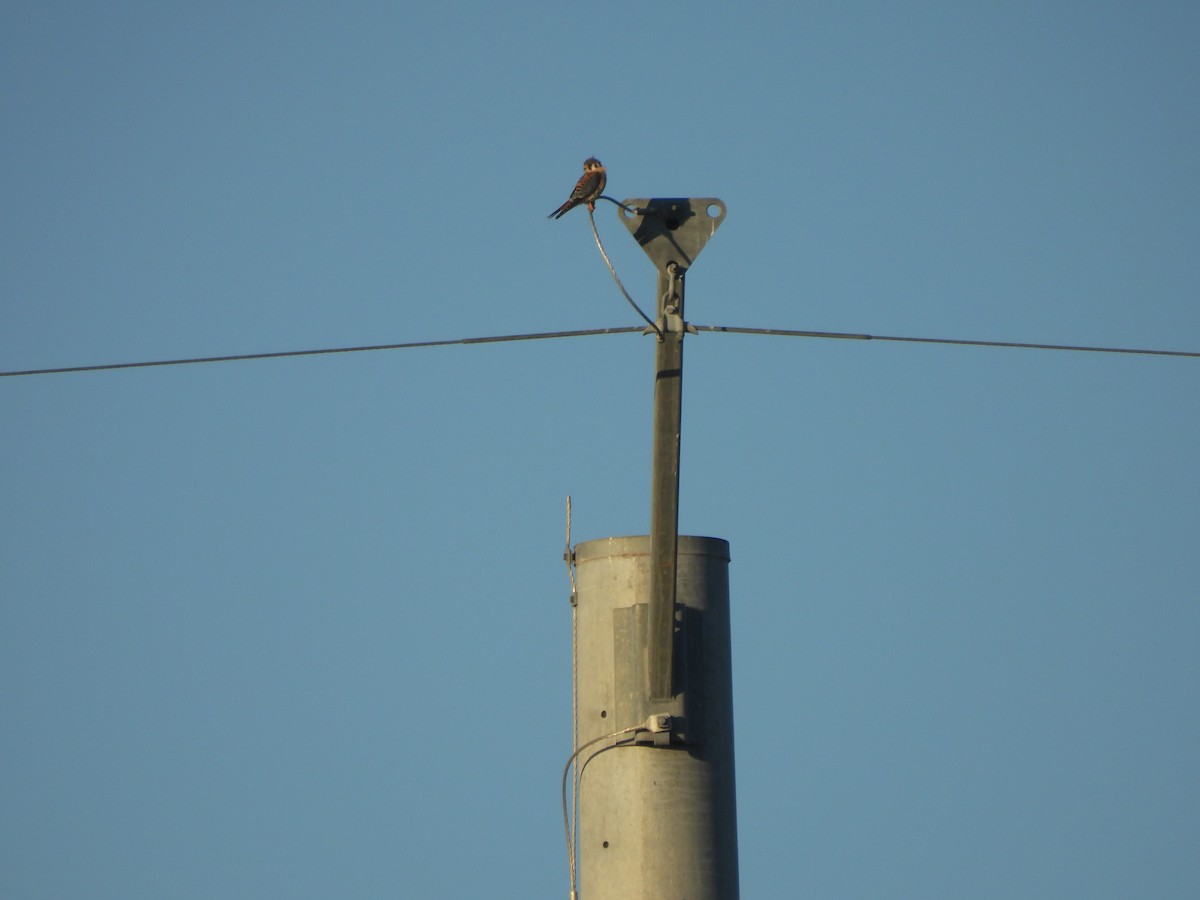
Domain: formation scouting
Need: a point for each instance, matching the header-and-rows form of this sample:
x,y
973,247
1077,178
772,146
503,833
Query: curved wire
x,y
566,818
632,209
613,272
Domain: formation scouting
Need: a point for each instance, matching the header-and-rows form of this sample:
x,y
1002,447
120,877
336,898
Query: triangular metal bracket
x,y
672,229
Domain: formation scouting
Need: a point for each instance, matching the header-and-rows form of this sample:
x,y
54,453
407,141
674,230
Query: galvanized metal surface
x,y
657,814
673,229
664,478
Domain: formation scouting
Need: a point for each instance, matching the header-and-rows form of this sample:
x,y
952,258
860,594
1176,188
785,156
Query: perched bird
x,y
588,188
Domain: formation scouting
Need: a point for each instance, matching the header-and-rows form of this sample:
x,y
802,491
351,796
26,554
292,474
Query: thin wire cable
x,y
589,332
569,558
568,554
567,823
285,353
632,209
613,272
847,336
576,772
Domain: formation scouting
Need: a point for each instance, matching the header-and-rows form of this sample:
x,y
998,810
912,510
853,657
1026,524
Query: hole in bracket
x,y
713,210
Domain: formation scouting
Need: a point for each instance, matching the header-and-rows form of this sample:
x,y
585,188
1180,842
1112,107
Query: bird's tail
x,y
561,211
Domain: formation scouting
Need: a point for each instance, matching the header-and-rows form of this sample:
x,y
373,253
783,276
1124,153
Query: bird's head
x,y
591,164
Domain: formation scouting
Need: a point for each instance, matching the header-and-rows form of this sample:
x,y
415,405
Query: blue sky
x,y
299,628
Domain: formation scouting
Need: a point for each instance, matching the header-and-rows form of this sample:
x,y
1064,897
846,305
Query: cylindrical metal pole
x,y
657,811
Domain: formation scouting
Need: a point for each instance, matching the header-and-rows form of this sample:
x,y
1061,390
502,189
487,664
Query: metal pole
x,y
654,753
664,478
672,232
657,809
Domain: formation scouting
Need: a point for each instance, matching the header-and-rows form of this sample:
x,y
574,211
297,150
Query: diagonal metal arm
x,y
664,481
672,232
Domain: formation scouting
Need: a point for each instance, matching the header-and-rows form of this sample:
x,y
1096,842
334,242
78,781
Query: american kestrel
x,y
588,188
